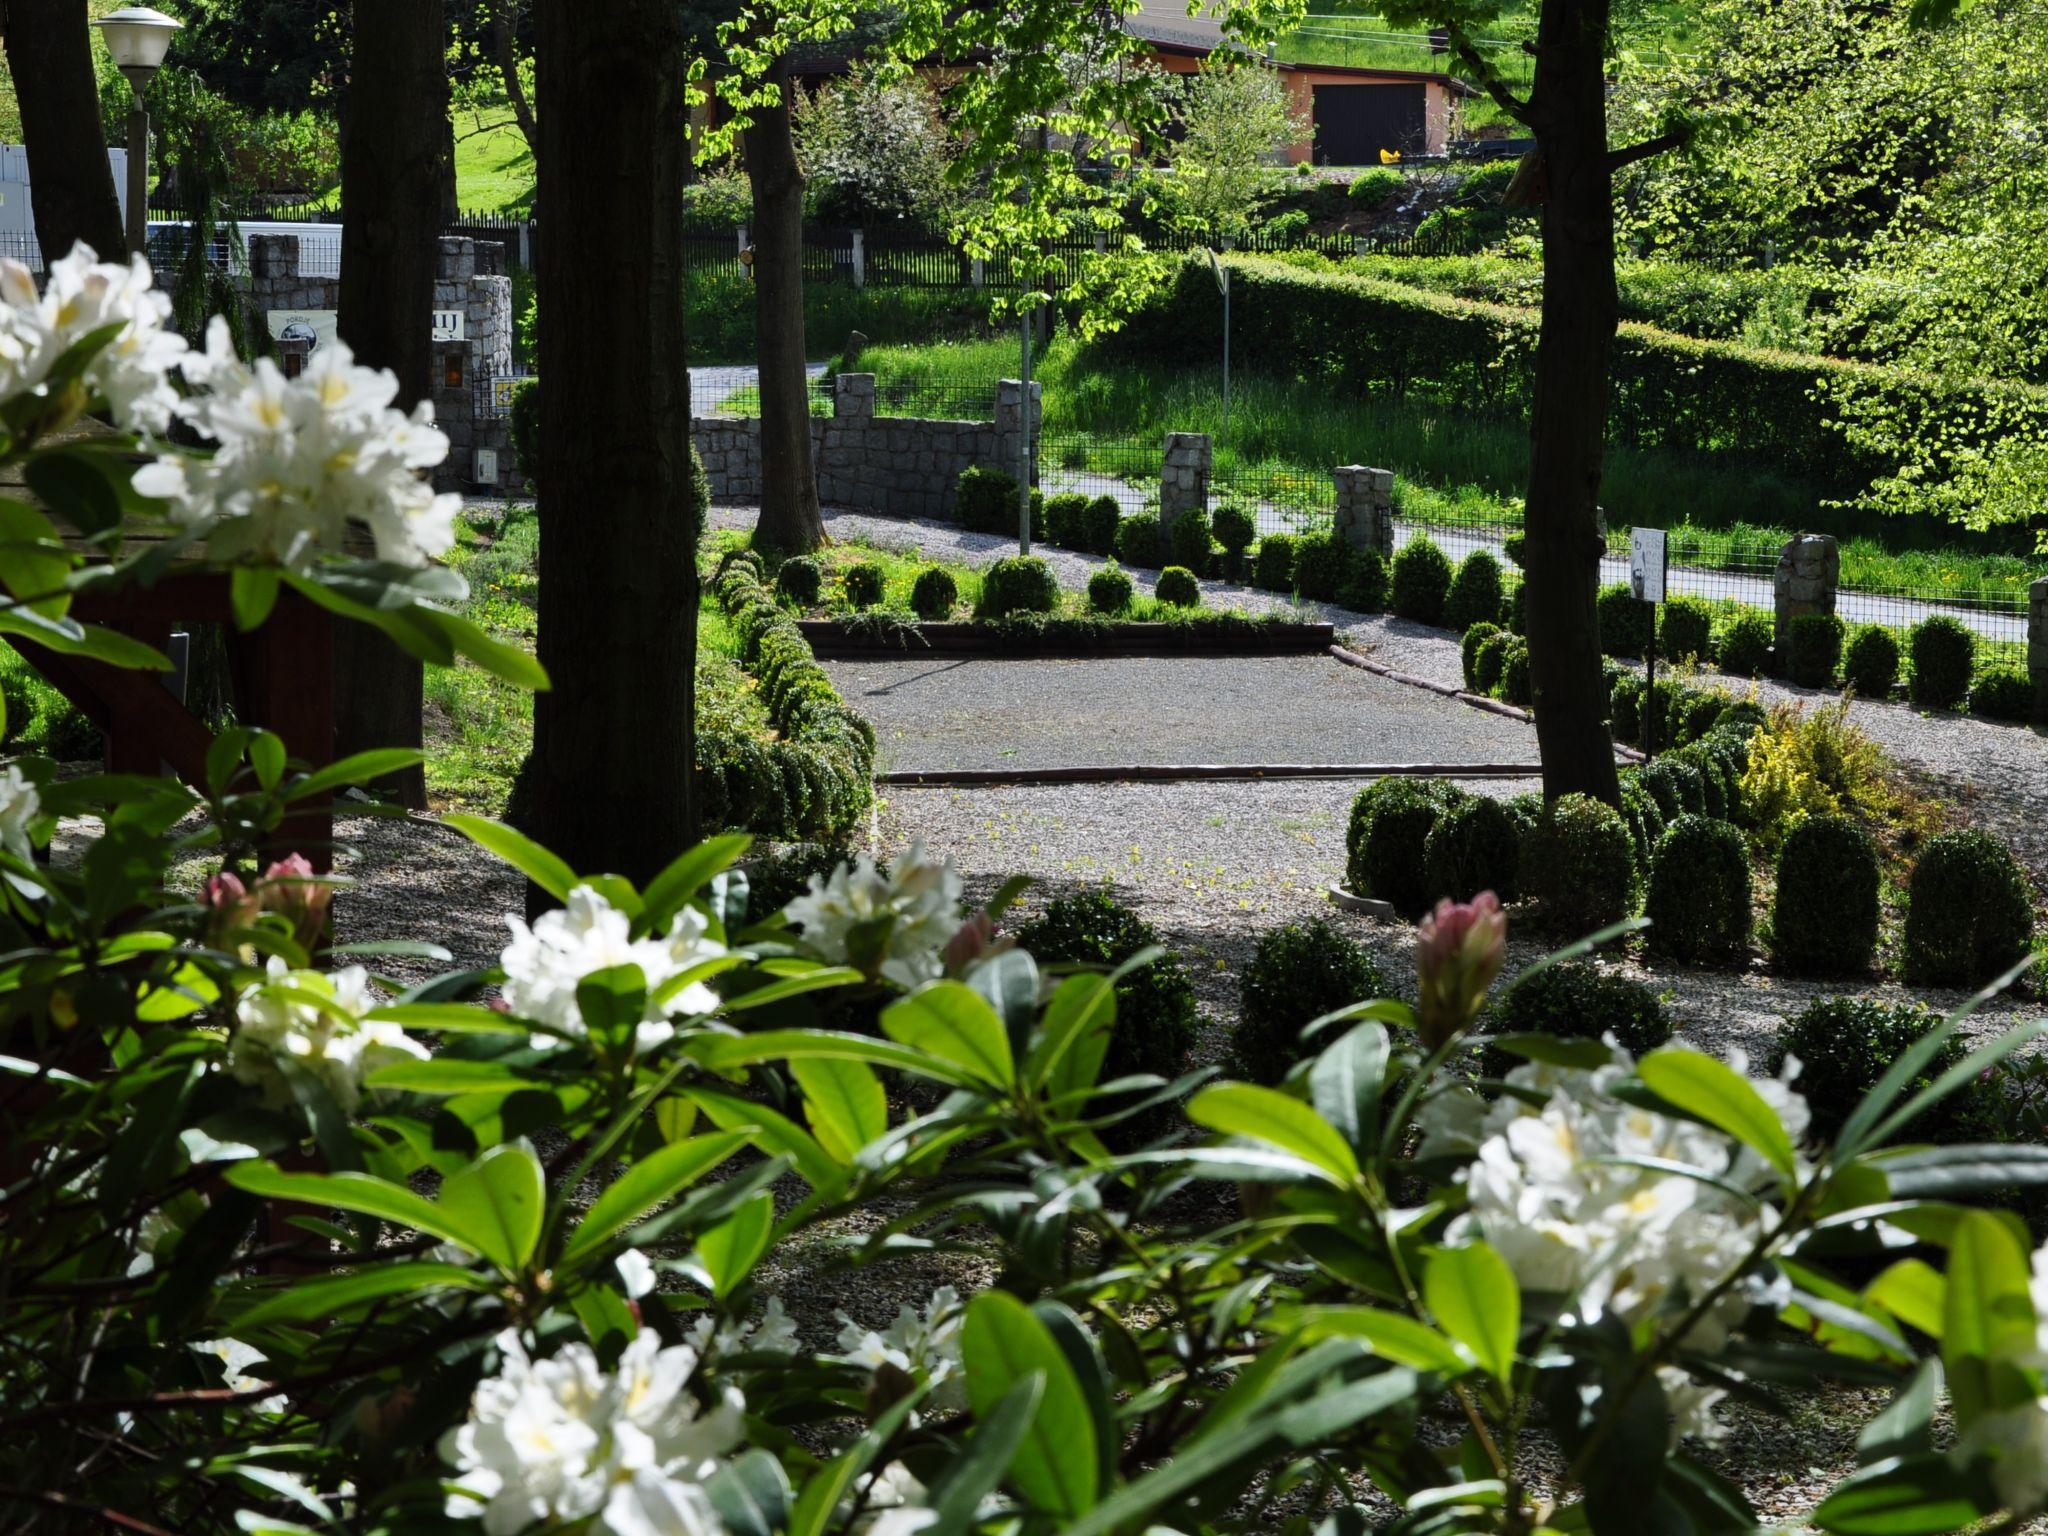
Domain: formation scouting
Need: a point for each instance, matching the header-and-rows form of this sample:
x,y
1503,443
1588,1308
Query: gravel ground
x,y
934,712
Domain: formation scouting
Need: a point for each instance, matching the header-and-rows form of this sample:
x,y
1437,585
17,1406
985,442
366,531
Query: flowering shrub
x,y
289,1248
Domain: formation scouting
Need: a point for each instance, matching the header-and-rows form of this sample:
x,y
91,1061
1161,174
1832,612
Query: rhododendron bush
x,y
285,1246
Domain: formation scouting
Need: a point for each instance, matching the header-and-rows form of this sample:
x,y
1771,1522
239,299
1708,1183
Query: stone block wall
x,y
275,283
1365,508
1809,571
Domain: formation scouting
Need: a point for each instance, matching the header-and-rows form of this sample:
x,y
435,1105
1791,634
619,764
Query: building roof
x,y
1167,25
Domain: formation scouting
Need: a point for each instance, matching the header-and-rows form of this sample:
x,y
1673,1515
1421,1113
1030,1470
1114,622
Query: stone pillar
x,y
292,352
1011,442
1809,569
1184,476
1365,508
853,396
274,256
456,258
2037,646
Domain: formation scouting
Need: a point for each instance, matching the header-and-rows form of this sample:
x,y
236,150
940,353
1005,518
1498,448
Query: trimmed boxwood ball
x,y
1488,659
1099,524
1390,825
1624,622
1845,1045
1019,584
1710,776
1685,628
1365,589
1813,649
1825,912
1625,707
1273,568
1578,862
1177,585
985,500
1156,1021
1475,592
2002,693
863,584
1702,711
1516,686
934,593
1577,1000
1645,820
1673,785
1745,647
1109,590
1137,540
1066,519
1698,902
800,580
1299,972
1944,655
1234,529
1468,651
1870,662
1188,541
1969,914
1322,561
1474,847
1420,581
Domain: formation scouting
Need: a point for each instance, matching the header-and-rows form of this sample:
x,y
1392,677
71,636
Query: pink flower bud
x,y
975,939
229,904
1458,953
291,889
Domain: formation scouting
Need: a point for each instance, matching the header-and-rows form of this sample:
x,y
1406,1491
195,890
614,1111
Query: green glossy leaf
x,y
1724,1098
1913,1292
1475,1299
1347,1080
651,1182
1267,1115
688,874
955,1024
358,768
1987,1318
773,1132
1001,1344
1904,1496
359,1192
1390,1335
501,1198
252,592
309,1299
730,1250
1906,1427
543,868
1080,1005
799,1044
844,1102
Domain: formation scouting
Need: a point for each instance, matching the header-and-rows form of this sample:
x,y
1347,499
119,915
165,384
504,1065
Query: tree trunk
x,y
790,519
614,738
505,47
49,54
1569,421
391,188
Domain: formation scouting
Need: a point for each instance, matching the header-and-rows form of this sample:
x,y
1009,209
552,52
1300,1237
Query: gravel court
x,y
939,712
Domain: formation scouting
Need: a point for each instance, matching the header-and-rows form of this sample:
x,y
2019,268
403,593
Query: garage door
x,y
1355,122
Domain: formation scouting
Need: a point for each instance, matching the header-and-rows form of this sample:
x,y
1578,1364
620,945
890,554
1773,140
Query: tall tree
x,y
392,184
790,518
49,53
614,739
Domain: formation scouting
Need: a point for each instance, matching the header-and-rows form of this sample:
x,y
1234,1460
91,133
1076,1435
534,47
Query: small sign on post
x,y
1646,581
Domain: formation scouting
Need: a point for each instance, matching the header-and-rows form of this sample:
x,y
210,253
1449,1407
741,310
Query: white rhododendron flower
x,y
545,962
1692,1407
314,1021
895,926
898,1500
236,1358
19,805
299,459
558,1440
774,1332
83,295
926,1347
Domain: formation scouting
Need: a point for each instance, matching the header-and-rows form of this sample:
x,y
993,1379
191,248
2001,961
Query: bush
x,y
524,425
985,500
1421,581
1845,1045
1137,540
1066,520
2003,693
1373,186
1390,825
1473,847
1698,902
1715,788
1156,1021
1578,863
1745,648
801,580
1299,972
1365,589
1577,1000
1188,541
1944,655
1870,662
1322,561
1489,660
1475,592
1645,818
1625,707
1624,622
934,593
1109,590
1674,785
1468,654
1824,914
1518,608
1813,649
1686,628
1018,584
1234,530
1099,525
1177,585
1516,686
1273,564
1699,711
863,584
1969,914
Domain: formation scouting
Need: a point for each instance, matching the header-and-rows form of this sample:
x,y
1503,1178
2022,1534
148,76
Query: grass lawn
x,y
494,171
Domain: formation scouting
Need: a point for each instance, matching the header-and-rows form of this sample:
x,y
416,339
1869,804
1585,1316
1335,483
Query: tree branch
x,y
112,1517
1676,138
1490,78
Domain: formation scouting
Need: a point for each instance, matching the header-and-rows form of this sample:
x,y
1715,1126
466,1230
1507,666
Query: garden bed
x,y
1217,634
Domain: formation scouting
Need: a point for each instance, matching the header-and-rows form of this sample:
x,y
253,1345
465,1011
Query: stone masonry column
x,y
2037,646
1809,570
1011,442
1365,508
1184,477
853,397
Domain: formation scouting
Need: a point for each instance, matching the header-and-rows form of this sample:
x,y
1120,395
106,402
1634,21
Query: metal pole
x,y
1226,353
1024,453
138,177
1650,691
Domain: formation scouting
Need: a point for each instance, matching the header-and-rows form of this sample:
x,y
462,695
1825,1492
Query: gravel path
x,y
933,712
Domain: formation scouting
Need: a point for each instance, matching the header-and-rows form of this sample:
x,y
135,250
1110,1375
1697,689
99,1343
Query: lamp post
x,y
137,39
